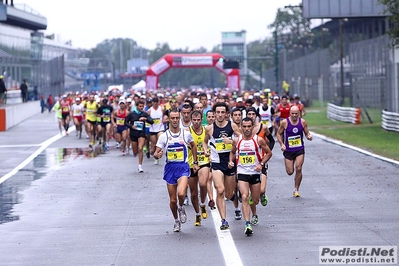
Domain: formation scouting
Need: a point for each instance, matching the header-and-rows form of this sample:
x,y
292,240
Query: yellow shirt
x,y
91,111
198,140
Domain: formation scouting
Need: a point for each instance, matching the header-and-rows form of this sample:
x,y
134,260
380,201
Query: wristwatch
x,y
196,162
262,164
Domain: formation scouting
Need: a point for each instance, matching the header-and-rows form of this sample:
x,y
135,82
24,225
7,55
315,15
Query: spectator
x,y
42,103
49,103
24,91
2,90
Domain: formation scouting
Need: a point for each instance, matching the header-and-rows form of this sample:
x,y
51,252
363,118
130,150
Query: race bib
x,y
221,146
294,141
176,154
201,158
120,121
139,125
157,121
77,112
247,158
106,119
265,119
65,109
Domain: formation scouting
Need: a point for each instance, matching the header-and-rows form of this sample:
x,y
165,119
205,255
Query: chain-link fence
x,y
368,69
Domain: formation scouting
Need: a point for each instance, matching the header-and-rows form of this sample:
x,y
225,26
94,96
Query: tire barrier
x,y
390,121
343,114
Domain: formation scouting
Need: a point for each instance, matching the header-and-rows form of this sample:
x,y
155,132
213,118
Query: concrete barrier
x,y
11,115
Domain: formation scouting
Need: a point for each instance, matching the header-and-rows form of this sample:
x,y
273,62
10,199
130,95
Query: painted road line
x,y
226,242
43,146
342,144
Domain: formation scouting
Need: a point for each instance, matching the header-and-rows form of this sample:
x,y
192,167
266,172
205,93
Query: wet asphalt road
x,y
69,206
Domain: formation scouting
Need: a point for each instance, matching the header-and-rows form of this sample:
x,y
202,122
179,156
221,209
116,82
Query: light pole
x,y
341,56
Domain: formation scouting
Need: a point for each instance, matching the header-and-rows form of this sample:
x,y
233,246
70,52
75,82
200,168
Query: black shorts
x,y
252,179
65,116
104,125
264,169
192,174
291,155
92,122
224,168
154,133
135,135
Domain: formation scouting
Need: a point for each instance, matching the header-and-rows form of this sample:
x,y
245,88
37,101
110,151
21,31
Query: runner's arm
x,y
280,134
306,129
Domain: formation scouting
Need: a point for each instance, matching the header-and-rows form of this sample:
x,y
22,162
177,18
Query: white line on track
x,y
43,146
226,242
19,146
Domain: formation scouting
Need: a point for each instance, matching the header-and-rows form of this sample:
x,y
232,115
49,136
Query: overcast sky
x,y
180,23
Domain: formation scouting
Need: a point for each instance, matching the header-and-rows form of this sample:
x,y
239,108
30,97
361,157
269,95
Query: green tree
x,y
392,8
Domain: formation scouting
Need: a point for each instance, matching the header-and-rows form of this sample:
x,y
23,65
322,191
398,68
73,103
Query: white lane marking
x,y
226,242
43,146
342,144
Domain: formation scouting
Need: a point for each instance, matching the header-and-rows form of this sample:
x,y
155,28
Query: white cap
x,y
196,100
239,99
77,99
129,100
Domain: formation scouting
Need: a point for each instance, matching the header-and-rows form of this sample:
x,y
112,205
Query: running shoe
x,y
186,202
90,146
66,133
148,155
182,215
250,201
118,145
197,221
211,204
123,152
177,227
80,135
140,169
248,230
156,162
296,194
254,220
237,215
106,147
225,225
264,199
204,212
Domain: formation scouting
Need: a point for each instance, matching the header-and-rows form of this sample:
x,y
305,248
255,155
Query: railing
x,y
343,114
390,121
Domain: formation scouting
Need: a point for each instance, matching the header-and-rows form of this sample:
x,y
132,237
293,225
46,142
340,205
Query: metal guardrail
x,y
390,121
343,114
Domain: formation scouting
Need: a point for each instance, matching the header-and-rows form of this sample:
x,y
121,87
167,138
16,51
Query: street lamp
x,y
341,56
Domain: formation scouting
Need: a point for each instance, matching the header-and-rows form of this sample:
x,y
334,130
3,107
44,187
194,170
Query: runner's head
x,y
203,99
198,107
185,112
294,113
173,103
122,104
252,113
236,116
140,105
174,117
247,126
284,99
196,119
155,102
210,116
220,110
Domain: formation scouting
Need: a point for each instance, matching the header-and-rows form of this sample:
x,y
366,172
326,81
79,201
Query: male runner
x,y
220,136
247,151
104,112
118,121
174,142
156,129
77,114
201,176
290,137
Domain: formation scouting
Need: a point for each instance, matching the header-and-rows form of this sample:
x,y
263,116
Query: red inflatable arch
x,y
190,61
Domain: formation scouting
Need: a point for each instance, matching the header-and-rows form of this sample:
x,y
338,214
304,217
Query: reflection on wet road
x,y
38,168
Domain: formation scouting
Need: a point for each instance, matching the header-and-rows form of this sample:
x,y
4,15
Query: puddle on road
x,y
38,168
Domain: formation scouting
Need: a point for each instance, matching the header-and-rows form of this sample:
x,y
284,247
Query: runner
x,y
297,102
219,134
156,129
267,115
118,120
77,114
210,118
185,123
91,118
65,113
201,176
57,109
246,151
135,121
175,142
105,112
236,117
290,137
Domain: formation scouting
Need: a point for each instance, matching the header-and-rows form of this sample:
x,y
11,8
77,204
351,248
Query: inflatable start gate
x,y
190,61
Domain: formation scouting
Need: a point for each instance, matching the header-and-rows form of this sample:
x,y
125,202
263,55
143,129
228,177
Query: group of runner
x,y
225,140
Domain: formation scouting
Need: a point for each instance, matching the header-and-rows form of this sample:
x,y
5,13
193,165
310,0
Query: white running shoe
x,y
156,162
140,169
